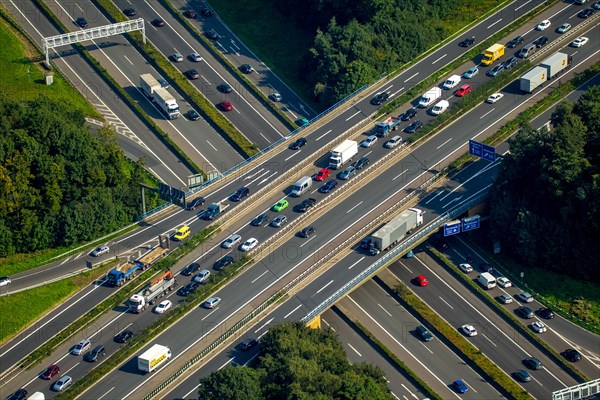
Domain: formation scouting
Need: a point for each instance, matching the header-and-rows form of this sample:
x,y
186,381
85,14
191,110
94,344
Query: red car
x,y
226,106
422,280
323,174
50,372
464,89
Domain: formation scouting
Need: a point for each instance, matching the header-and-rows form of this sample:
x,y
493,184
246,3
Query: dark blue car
x,y
329,186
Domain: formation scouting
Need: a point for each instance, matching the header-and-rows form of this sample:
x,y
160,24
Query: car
x,y
248,344
468,330
249,244
368,142
503,282
563,28
192,74
130,12
440,242
485,267
163,83
515,42
362,162
393,142
511,62
100,250
305,205
20,394
276,96
422,280
123,337
212,34
524,297
163,306
206,11
471,72
522,376
202,276
322,174
580,2
226,105
81,22
50,372
505,299
572,355
302,121
539,42
198,201
240,194
380,98
423,333
212,302
298,143
5,280
586,13
348,173
596,6
460,386
193,115
533,363
190,13
246,68
466,268
81,347
278,221
223,262
408,114
463,90
63,383
467,42
545,312
177,57
158,22
182,233
538,327
306,232
494,98
188,288
328,186
231,241
580,41
190,269
413,127
524,312
259,220
225,88
95,354
545,24
196,57
495,71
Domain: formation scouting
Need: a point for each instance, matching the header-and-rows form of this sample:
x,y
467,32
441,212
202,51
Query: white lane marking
x,y
443,144
356,351
400,174
489,340
494,23
472,388
485,115
353,115
384,310
347,212
448,304
211,145
250,176
362,258
308,241
258,277
226,364
263,325
322,135
439,192
523,5
433,62
110,390
195,389
128,60
291,312
293,154
70,369
320,290
410,77
209,314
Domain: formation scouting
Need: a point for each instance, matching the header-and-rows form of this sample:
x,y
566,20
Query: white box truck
x,y
430,97
167,103
153,358
343,153
487,280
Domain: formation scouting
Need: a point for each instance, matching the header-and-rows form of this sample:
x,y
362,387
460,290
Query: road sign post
x,y
452,228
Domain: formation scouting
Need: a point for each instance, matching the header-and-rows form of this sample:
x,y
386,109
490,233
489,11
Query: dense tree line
x,y
296,362
60,184
545,204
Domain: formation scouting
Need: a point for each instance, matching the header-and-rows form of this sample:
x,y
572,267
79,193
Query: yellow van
x,y
182,233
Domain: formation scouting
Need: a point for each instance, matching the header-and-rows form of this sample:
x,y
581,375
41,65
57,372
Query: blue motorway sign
x,y
481,150
452,227
470,223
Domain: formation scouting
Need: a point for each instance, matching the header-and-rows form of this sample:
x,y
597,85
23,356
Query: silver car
x,y
279,220
348,173
63,383
231,241
212,302
524,297
81,347
100,250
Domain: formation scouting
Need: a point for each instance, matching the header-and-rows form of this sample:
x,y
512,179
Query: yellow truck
x,y
492,54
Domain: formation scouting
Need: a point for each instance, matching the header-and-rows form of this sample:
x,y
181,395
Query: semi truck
x,y
214,209
391,233
153,290
343,153
383,129
548,69
492,54
149,84
161,97
153,358
487,280
430,96
127,270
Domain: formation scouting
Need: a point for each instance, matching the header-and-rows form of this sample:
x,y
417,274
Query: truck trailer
x,y
343,153
492,54
152,291
548,69
533,79
383,129
153,358
167,103
149,84
391,233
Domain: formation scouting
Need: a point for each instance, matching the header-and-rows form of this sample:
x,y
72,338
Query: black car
x,y
522,376
123,337
328,186
223,262
158,22
225,88
379,98
533,363
212,34
423,333
467,42
190,269
198,201
193,115
205,11
515,42
246,68
261,219
524,312
20,394
95,354
361,163
298,143
240,194
189,287
190,13
415,126
305,205
440,243
192,74
572,355
81,22
248,344
130,12
511,62
410,113
545,312
306,232
539,42
495,71
586,13
485,267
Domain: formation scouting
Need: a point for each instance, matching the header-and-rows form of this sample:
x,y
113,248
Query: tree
x,y
231,383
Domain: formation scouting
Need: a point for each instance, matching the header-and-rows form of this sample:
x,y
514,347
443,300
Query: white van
x,y
430,96
451,82
36,396
440,107
393,142
301,187
487,280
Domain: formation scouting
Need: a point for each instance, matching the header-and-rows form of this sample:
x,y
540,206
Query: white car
x,y
580,41
466,268
503,282
177,57
276,97
249,244
196,57
524,297
563,28
212,302
5,280
98,251
202,276
368,142
163,306
469,330
538,327
231,240
494,98
545,24
505,299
